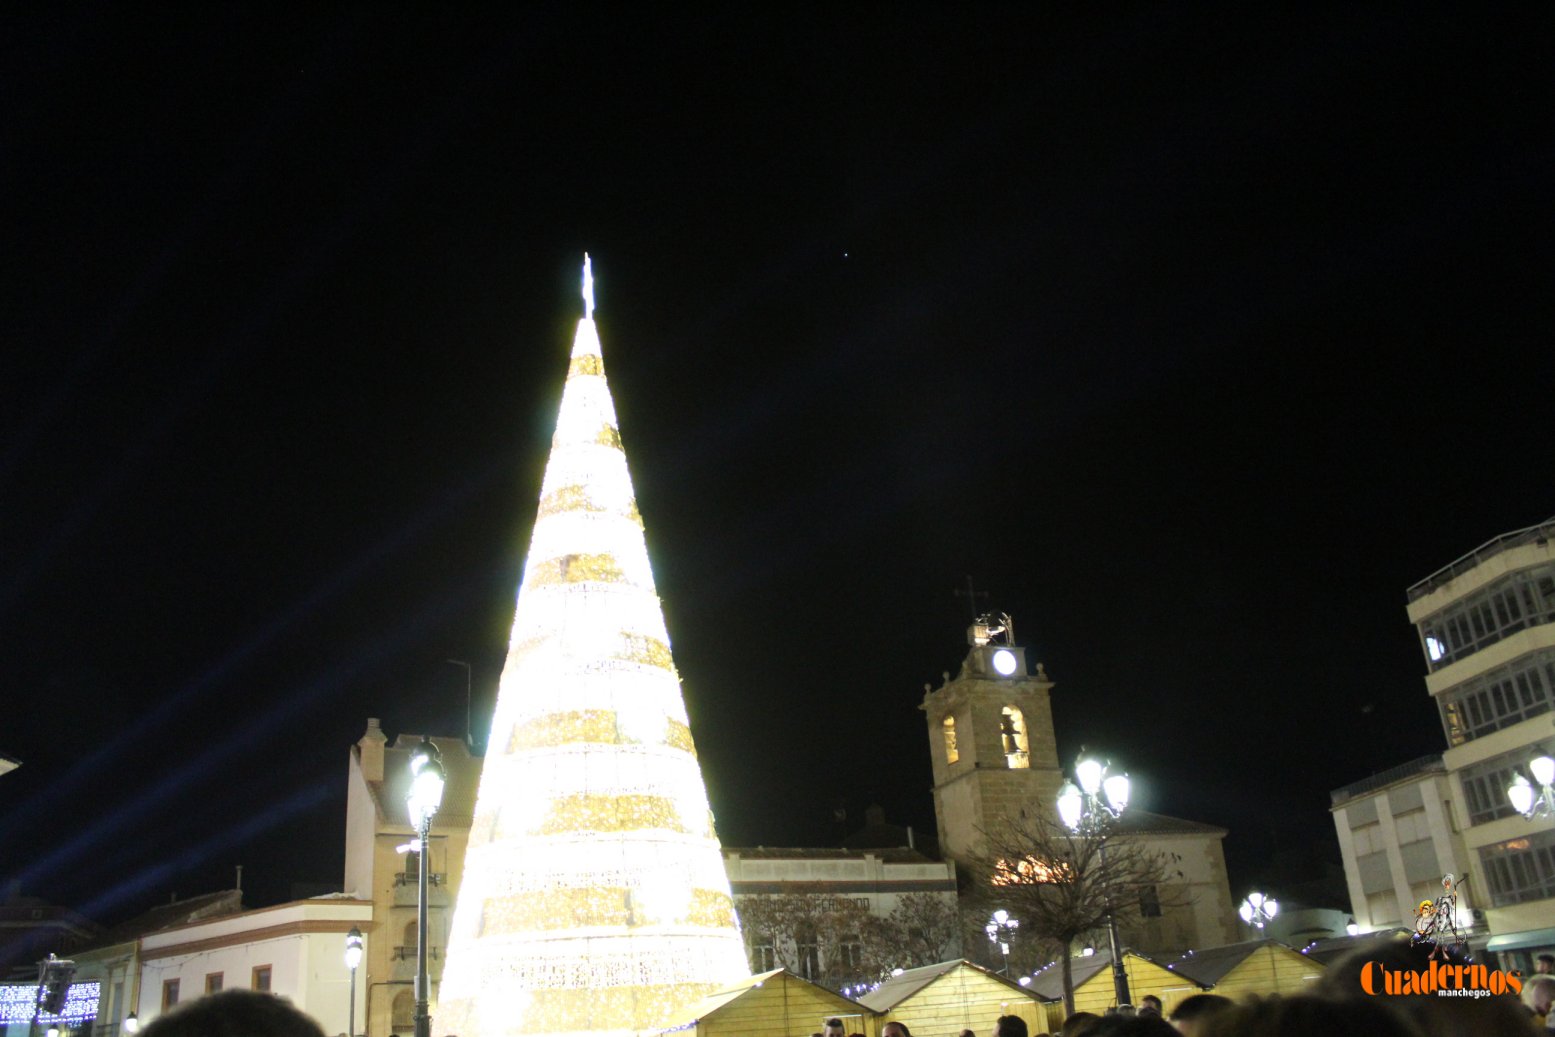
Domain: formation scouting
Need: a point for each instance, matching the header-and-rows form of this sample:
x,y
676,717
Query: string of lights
x,y
594,898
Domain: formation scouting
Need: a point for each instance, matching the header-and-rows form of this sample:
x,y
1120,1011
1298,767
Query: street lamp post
x,y
1091,808
1258,910
999,927
426,794
353,959
1534,804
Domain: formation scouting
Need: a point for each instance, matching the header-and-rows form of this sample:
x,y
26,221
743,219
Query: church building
x,y
995,755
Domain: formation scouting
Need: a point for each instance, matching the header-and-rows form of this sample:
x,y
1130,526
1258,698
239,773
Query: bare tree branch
x,y
1061,885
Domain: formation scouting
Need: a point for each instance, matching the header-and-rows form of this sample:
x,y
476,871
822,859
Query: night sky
x,y
1193,341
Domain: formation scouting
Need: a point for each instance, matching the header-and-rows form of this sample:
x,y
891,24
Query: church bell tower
x,y
991,738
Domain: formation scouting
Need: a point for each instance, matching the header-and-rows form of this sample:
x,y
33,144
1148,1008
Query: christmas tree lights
x,y
594,899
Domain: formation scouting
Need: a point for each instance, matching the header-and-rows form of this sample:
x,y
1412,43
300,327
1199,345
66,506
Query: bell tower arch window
x,y
948,727
1012,727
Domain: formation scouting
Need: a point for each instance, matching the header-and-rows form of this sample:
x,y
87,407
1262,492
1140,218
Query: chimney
x,y
370,749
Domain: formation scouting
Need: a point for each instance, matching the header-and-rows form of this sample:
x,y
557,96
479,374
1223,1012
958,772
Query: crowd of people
x,y
1349,1001
1346,1002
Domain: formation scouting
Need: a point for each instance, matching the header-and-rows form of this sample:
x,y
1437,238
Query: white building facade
x,y
839,883
295,950
1487,630
1398,837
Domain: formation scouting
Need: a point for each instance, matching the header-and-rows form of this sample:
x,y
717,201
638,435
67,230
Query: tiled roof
x,y
179,912
891,855
1208,966
899,988
1048,982
1143,822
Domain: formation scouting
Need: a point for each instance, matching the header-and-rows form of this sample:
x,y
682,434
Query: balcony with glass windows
x,y
1519,601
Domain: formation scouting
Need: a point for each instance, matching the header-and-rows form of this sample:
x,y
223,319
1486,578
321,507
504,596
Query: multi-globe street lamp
x,y
426,795
353,959
999,928
1258,910
1090,809
1534,803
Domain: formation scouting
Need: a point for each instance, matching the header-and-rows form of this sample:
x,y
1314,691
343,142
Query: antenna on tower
x,y
588,288
971,594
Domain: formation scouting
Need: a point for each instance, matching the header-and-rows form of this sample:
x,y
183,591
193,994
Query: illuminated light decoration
x,y
594,899
1029,871
17,1002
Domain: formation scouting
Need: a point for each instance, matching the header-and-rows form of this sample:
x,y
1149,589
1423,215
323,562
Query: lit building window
x,y
1013,728
169,993
1500,698
1520,869
213,982
1510,604
1484,788
948,725
261,979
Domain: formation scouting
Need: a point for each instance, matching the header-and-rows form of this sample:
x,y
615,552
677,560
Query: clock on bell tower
x,y
991,739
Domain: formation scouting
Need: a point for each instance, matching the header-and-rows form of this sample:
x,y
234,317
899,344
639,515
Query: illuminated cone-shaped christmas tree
x,y
594,897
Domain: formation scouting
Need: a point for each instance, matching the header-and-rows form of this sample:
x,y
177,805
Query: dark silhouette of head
x,y
1010,1026
1191,1012
234,1013
1078,1024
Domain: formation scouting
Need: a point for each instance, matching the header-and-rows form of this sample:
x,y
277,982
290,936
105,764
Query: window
x,y
1520,869
850,953
1411,827
1382,908
1149,903
763,954
1484,788
1510,604
1500,698
261,980
948,726
403,1012
407,948
1013,731
169,993
809,955
1367,839
213,982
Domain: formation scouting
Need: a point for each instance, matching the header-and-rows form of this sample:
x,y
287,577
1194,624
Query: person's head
x,y
1190,1013
1149,1005
1120,1024
895,1029
1076,1025
966,1033
1544,964
834,1028
1010,1026
1303,1015
234,1013
1539,993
